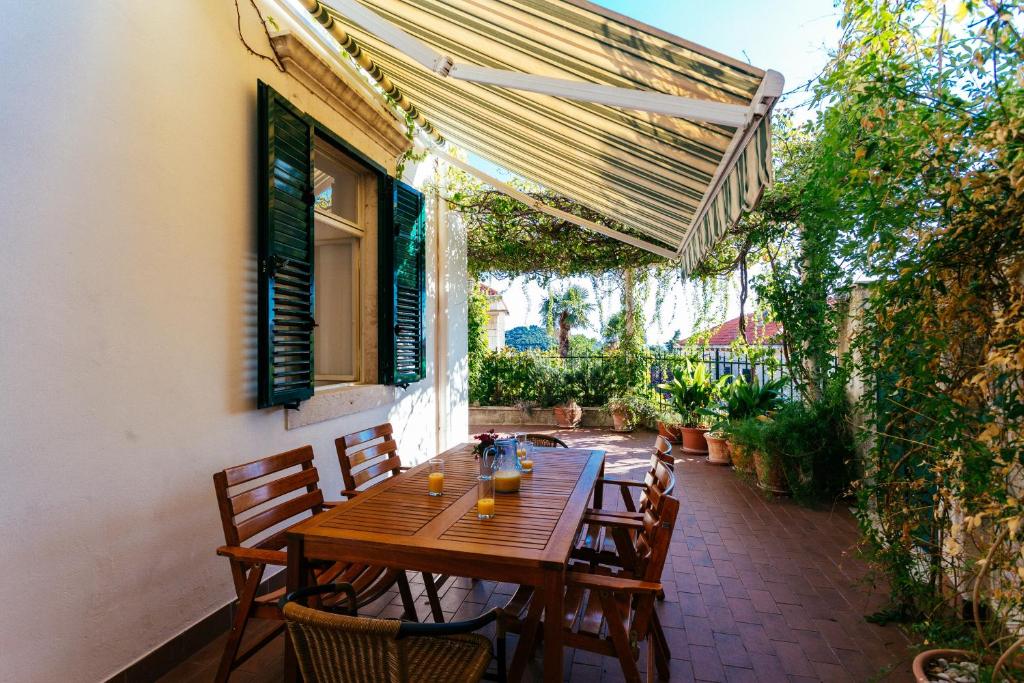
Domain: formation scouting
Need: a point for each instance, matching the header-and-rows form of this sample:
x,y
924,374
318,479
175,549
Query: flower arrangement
x,y
485,440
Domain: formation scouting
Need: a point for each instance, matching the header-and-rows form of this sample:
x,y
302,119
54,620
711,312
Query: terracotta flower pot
x,y
693,441
742,458
670,432
718,448
922,659
770,475
568,415
620,421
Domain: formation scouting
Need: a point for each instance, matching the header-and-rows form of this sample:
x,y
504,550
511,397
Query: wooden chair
x,y
368,457
255,515
605,542
662,453
546,441
609,611
333,647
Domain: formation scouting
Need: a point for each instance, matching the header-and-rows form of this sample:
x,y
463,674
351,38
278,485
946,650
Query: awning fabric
x,y
653,173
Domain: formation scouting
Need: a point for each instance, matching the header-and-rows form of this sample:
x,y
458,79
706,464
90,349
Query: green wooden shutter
x,y
285,252
403,279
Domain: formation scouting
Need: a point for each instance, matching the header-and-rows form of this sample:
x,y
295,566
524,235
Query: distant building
x,y
497,317
717,342
760,332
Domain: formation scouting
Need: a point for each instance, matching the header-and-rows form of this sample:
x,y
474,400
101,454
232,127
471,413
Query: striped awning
x,y
676,183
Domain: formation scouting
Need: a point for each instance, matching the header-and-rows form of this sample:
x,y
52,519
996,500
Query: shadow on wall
x,y
408,416
242,347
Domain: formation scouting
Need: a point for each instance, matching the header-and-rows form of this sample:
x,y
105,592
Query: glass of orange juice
x,y
435,477
525,452
485,497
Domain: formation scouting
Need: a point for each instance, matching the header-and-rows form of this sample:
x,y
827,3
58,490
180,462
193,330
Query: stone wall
x,y
493,416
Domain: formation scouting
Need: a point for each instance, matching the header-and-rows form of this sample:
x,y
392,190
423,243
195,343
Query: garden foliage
x,y
912,178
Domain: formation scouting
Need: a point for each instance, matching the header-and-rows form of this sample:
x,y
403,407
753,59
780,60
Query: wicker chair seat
x,y
546,440
336,648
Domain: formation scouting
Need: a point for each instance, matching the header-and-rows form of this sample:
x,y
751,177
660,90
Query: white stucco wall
x,y
127,340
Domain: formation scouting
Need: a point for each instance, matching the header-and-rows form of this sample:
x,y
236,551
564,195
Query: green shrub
x,y
507,377
812,440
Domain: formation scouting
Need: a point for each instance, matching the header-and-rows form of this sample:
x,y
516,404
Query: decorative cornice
x,y
343,93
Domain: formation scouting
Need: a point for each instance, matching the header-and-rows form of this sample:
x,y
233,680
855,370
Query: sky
x,y
790,36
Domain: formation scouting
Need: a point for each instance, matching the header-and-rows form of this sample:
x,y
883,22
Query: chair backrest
x,y
663,449
277,500
545,440
335,647
367,455
661,479
652,548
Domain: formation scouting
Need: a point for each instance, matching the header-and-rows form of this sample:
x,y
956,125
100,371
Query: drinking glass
x,y
435,478
485,497
525,453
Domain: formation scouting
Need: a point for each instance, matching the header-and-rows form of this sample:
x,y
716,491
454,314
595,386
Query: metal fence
x,y
769,364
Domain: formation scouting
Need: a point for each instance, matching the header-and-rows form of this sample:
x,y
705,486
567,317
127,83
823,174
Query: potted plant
x,y
718,447
628,410
692,392
558,391
744,438
771,471
745,399
669,426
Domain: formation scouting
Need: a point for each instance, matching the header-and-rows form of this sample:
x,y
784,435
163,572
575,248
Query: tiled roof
x,y
729,331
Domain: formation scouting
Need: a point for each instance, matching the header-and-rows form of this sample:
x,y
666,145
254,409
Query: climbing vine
x,y
911,178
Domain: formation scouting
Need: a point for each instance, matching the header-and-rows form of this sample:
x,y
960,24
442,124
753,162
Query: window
x,y
341,187
333,223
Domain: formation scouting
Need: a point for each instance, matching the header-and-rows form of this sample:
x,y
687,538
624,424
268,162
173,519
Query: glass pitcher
x,y
503,460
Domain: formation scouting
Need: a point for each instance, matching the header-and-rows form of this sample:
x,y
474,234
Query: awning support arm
x,y
768,93
538,205
733,115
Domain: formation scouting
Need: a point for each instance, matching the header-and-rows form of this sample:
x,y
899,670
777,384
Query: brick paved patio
x,y
757,590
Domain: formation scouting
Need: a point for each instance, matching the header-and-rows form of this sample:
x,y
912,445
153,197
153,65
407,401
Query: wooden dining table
x,y
397,524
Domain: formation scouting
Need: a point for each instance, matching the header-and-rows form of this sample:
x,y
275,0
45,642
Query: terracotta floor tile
x,y
706,665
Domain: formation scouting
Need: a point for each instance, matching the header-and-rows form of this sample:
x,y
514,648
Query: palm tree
x,y
571,309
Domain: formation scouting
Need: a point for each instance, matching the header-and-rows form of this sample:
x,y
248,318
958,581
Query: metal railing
x,y
768,365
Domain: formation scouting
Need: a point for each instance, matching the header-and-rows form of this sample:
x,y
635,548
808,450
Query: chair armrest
x,y
621,482
412,628
405,468
595,517
610,583
624,515
254,555
321,589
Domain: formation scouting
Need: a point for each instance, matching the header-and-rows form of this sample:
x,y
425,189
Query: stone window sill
x,y
333,402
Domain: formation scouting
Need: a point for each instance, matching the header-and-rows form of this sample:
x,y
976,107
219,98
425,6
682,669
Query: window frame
x,y
357,231
378,372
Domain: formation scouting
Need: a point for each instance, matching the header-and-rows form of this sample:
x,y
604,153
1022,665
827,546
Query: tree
x,y
614,329
527,337
569,309
582,345
670,345
477,323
